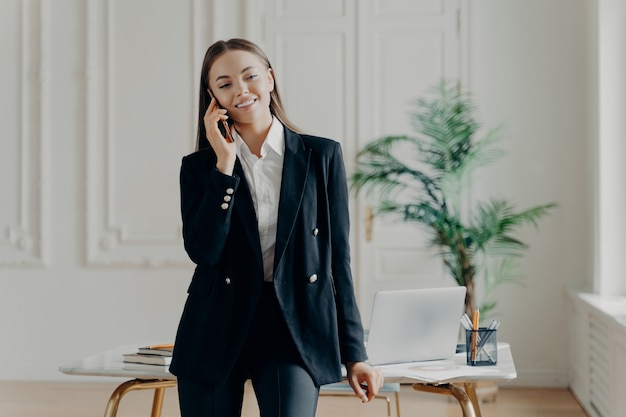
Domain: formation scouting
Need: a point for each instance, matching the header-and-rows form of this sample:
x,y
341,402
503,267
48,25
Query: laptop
x,y
415,325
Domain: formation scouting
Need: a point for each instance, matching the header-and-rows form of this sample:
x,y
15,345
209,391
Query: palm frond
x,y
380,171
390,206
496,220
424,213
447,121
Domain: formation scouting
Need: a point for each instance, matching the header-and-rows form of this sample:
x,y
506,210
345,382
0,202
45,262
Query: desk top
x,y
452,370
110,364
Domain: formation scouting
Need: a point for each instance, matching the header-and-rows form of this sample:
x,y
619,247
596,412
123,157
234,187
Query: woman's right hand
x,y
225,151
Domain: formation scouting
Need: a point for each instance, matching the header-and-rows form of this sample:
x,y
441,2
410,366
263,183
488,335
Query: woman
x,y
265,219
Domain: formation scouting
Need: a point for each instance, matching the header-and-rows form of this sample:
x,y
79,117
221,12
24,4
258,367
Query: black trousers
x,y
282,385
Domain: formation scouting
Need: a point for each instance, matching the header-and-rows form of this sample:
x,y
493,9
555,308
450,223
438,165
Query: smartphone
x,y
223,125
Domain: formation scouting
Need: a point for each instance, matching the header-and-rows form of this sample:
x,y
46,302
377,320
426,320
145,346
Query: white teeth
x,y
247,103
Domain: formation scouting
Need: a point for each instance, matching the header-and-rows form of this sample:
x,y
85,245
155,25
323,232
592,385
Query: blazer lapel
x,y
245,210
295,172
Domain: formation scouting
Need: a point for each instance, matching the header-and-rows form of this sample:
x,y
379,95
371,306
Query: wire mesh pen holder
x,y
482,347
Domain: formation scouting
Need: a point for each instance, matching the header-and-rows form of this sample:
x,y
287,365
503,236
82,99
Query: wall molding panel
x,y
23,159
409,9
308,9
141,116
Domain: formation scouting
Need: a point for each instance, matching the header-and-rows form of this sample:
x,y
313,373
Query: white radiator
x,y
599,368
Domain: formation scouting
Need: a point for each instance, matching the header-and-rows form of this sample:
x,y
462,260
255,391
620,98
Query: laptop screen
x,y
415,325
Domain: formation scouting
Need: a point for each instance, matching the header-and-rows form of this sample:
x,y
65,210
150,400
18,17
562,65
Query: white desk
x,y
110,364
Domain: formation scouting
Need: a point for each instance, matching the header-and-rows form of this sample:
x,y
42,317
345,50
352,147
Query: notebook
x,y
415,325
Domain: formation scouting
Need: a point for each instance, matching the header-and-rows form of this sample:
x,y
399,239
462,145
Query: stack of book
x,y
149,358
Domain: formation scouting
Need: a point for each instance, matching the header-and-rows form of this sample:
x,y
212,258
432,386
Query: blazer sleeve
x,y
207,198
352,348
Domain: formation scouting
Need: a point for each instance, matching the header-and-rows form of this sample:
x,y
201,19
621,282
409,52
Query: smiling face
x,y
242,84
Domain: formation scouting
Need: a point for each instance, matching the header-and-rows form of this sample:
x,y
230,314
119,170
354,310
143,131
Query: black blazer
x,y
312,276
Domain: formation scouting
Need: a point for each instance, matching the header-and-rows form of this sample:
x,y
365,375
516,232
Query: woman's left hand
x,y
365,380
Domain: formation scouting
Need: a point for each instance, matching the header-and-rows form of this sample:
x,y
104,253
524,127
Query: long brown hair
x,y
214,51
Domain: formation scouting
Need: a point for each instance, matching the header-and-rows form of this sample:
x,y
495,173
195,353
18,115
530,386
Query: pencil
x,y
164,346
475,320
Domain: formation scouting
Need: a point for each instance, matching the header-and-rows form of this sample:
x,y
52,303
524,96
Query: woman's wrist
x,y
350,365
225,168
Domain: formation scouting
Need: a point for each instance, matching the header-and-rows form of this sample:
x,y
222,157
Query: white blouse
x,y
264,177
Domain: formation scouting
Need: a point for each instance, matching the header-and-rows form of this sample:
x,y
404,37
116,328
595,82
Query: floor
x,y
88,399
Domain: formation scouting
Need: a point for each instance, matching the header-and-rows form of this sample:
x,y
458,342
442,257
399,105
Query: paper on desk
x,y
433,371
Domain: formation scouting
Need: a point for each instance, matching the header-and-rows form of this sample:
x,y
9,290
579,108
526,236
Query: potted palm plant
x,y
427,178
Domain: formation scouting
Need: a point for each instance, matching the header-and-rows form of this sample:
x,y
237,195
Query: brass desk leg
x,y
470,389
137,384
450,389
157,403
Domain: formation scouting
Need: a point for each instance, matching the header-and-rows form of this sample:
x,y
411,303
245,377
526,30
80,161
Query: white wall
x,y
527,67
